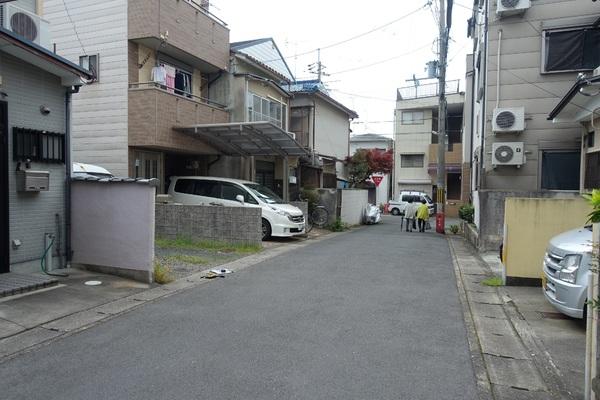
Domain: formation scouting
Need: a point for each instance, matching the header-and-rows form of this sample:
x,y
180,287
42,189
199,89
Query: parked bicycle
x,y
317,214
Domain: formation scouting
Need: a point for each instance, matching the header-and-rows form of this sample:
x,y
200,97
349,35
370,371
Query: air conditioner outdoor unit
x,y
26,24
509,119
508,153
506,8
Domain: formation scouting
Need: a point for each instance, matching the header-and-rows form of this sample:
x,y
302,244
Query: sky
x,y
366,71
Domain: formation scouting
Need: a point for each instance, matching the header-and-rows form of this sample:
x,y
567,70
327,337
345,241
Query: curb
x,y
51,331
484,388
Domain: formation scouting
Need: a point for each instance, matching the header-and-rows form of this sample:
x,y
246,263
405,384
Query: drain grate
x,y
553,315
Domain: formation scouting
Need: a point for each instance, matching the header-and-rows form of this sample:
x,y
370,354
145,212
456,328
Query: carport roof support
x,y
247,139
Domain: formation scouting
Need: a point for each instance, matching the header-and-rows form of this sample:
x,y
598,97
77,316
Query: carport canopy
x,y
247,139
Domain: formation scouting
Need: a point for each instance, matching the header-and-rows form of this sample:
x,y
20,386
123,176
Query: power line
x,y
381,61
353,37
74,27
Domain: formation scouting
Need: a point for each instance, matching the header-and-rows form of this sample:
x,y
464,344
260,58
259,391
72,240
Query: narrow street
x,y
372,314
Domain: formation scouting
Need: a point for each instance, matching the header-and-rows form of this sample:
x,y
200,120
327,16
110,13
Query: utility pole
x,y
442,117
318,66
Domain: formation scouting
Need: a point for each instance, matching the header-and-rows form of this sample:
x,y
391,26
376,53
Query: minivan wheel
x,y
395,211
266,229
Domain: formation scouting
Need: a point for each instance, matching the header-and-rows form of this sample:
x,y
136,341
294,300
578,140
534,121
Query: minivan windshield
x,y
263,193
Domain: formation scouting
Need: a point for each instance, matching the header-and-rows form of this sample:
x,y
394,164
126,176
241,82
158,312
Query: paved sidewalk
x,y
514,362
33,319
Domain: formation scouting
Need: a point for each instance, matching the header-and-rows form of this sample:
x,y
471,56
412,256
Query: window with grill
x,y
261,109
574,49
592,170
412,160
412,117
34,145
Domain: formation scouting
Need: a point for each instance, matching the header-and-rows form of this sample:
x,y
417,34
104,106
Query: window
x,y
208,189
412,160
412,117
560,170
43,146
590,139
261,109
592,171
91,63
574,49
230,191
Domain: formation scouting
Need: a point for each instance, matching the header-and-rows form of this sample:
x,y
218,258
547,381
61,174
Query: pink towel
x,y
170,79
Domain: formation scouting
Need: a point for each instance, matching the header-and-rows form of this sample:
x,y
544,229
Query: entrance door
x,y
265,174
149,165
4,231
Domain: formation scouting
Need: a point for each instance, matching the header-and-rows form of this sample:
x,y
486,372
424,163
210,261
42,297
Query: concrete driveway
x,y
372,314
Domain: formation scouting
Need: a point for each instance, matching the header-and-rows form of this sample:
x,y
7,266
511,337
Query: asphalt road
x,y
372,314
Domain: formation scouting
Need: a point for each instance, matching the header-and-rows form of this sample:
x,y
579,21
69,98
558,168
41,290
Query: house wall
x,y
523,84
31,215
100,110
529,224
332,129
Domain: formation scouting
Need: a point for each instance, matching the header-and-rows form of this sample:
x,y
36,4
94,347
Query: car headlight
x,y
569,266
281,212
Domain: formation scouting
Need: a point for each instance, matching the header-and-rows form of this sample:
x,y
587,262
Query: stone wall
x,y
353,204
223,224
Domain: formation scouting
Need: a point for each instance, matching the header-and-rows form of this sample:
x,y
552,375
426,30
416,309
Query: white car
x,y
397,207
86,170
278,218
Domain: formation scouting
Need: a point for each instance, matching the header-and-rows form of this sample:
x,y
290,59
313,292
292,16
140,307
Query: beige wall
x,y
528,226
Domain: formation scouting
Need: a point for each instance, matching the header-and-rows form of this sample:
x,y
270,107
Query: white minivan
x,y
278,218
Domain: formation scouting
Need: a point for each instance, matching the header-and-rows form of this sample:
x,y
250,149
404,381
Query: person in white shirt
x,y
410,213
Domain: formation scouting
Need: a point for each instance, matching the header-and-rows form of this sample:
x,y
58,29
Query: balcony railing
x,y
427,90
176,92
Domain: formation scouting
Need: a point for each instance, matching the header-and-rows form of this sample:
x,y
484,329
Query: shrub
x,y
467,213
311,196
162,273
454,229
338,226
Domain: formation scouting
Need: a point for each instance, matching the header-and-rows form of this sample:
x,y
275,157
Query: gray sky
x,y
370,91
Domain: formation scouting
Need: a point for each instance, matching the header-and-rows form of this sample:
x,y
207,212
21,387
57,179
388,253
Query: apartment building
x,y
154,62
527,54
416,142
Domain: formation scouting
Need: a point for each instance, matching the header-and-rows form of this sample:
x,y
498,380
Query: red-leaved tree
x,y
364,163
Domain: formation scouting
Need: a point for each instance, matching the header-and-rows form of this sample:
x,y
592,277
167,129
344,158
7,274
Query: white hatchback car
x,y
278,218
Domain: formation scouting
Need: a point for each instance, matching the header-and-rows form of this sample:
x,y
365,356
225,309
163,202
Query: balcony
x,y
154,111
181,29
453,157
427,90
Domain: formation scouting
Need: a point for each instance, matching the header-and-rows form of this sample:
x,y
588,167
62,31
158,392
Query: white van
x,y
397,207
278,218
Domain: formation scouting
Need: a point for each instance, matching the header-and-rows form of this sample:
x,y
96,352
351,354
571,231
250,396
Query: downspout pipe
x,y
68,169
498,68
484,100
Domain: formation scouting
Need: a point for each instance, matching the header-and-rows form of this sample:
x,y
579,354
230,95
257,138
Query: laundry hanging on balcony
x,y
159,75
170,78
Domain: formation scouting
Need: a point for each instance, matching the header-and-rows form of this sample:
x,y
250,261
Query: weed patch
x,y
162,273
493,281
185,243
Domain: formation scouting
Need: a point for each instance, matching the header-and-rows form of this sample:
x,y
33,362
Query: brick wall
x,y
223,224
31,215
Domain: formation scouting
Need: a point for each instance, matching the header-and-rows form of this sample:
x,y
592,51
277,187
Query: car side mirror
x,y
240,198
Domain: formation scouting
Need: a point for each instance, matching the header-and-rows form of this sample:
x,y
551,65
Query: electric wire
x,y
353,37
380,61
74,27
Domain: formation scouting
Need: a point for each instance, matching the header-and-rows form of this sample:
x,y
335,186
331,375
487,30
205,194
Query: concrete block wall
x,y
223,224
34,214
353,204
